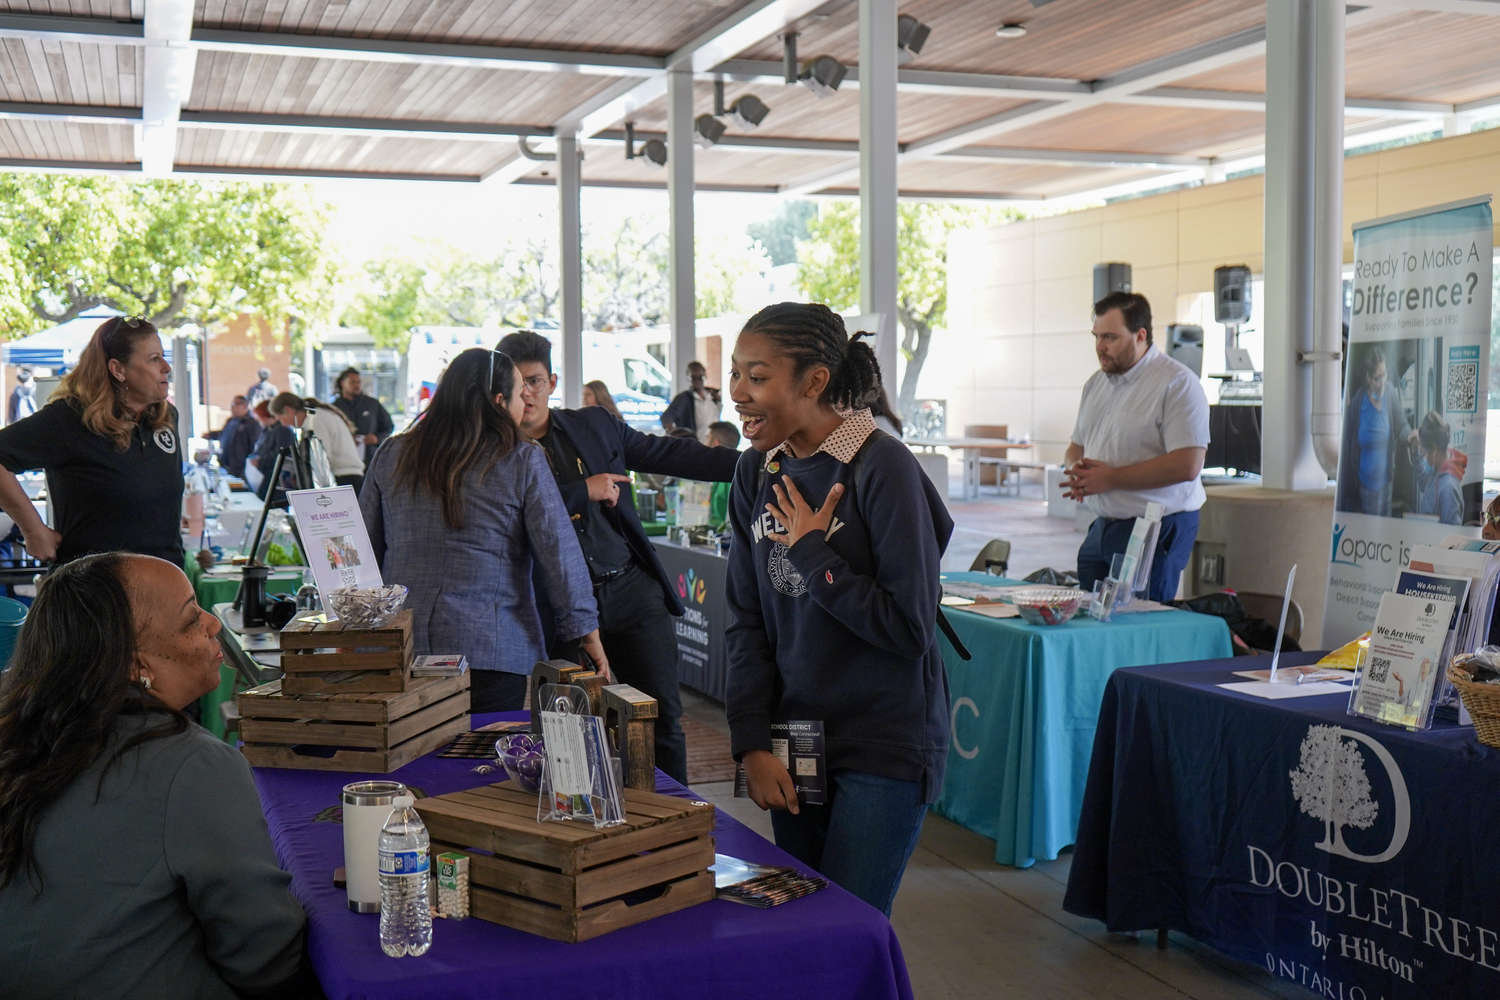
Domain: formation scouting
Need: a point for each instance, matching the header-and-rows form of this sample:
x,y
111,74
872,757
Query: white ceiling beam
x,y
166,82
393,128
1487,7
1077,158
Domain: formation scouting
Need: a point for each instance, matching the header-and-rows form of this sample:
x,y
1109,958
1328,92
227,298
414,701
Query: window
x,y
642,376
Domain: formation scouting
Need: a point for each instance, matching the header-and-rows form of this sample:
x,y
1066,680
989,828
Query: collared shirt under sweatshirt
x,y
842,627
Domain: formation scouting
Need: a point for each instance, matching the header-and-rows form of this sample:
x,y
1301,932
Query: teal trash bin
x,y
12,617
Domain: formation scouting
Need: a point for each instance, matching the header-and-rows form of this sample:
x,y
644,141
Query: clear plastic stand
x,y
1102,602
580,778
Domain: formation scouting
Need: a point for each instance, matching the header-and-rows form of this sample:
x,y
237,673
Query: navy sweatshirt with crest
x,y
842,627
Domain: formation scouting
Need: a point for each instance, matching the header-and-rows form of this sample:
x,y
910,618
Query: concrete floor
x,y
971,928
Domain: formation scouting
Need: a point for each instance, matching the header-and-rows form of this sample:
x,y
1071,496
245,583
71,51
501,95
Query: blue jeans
x,y
861,838
1174,548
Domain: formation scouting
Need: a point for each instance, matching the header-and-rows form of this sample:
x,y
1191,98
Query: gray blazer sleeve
x,y
554,546
219,849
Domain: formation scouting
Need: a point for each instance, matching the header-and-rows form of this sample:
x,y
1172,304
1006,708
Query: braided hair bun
x,y
813,335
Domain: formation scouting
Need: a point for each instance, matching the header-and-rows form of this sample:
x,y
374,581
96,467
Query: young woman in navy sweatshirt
x,y
833,586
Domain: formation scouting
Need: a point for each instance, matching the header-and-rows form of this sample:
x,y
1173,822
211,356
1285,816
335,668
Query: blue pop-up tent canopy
x,y
60,346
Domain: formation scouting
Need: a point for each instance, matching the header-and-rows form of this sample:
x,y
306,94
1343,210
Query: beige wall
x,y
1019,295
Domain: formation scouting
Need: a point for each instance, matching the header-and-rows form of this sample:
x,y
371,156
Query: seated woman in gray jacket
x,y
134,857
458,508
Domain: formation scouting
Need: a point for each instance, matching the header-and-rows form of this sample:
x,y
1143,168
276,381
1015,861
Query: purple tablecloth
x,y
827,946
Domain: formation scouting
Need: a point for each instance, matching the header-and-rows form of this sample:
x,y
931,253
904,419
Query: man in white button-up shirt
x,y
1141,435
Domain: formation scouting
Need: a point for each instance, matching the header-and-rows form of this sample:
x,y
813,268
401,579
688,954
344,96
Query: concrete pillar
x,y
877,178
182,392
570,276
1303,242
680,148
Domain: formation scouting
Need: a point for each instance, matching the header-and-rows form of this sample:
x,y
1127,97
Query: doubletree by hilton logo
x,y
1330,784
691,585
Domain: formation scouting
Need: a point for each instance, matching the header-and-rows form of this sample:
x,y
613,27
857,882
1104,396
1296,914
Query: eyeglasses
x,y
1490,519
535,384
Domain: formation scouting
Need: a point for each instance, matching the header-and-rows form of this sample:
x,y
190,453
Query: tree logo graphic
x,y
1330,784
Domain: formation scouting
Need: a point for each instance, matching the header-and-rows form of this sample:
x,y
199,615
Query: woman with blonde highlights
x,y
108,441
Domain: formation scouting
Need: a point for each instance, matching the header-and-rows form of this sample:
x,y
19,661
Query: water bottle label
x,y
403,862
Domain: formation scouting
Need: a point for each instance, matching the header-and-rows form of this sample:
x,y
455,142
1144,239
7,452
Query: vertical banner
x,y
1411,457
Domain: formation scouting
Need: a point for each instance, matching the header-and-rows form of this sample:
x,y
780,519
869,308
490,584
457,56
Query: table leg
x,y
1161,939
971,473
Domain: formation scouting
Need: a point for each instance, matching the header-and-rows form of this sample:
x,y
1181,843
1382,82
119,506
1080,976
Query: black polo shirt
x,y
104,500
604,548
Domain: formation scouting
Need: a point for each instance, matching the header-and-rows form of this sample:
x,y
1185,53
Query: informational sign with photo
x,y
338,547
1406,655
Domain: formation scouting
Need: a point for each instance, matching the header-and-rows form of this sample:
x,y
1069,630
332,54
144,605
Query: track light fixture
x,y
748,112
652,150
707,130
823,75
911,35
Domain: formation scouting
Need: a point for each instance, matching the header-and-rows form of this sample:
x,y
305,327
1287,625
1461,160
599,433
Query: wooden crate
x,y
372,732
331,658
569,881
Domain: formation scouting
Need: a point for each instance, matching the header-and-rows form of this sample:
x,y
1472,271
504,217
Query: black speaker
x,y
1110,278
1232,294
1185,344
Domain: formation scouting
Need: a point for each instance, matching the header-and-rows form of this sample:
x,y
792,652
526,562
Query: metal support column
x,y
877,178
680,253
182,392
570,287
1303,242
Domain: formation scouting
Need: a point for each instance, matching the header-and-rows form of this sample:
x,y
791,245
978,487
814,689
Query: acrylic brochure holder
x,y
1133,568
580,778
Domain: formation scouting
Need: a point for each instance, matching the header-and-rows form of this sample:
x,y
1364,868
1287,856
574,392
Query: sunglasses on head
x,y
489,379
1490,518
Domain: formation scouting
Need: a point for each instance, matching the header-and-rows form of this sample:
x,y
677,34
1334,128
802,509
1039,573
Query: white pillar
x,y
877,178
680,219
1456,124
1303,244
570,287
182,392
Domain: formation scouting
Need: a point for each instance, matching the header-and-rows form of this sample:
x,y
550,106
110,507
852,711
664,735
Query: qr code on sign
x,y
1463,386
1380,668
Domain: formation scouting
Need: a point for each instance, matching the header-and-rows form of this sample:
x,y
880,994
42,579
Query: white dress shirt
x,y
705,412
1156,407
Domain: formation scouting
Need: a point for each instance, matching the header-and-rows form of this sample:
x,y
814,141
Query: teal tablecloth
x,y
1024,711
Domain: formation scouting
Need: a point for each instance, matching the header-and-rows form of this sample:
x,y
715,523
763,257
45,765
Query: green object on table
x,y
659,528
213,590
1025,707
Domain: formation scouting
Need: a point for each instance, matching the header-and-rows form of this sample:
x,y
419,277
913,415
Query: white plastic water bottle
x,y
405,914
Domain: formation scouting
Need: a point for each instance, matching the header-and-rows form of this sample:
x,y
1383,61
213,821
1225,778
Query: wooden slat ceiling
x,y
1074,40
643,27
233,81
1417,56
1130,128
1024,179
114,10
50,72
710,168
797,114
283,151
40,140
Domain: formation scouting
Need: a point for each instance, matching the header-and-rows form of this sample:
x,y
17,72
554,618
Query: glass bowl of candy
x,y
367,607
521,756
1047,605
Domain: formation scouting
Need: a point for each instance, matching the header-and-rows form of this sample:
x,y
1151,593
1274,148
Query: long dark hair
x,y
813,335
68,682
462,428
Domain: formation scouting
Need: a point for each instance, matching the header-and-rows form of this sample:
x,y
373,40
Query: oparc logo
x,y
1355,551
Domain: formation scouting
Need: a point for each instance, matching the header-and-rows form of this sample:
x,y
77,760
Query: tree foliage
x,y
780,234
828,271
177,252
722,263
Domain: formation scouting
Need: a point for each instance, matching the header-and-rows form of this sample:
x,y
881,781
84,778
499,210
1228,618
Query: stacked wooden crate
x,y
348,702
569,881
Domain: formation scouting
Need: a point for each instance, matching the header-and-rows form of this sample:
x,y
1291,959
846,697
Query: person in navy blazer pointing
x,y
592,453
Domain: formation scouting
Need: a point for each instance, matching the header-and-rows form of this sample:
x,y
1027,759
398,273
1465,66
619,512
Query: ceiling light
x,y
823,75
655,151
911,35
1011,31
707,130
748,112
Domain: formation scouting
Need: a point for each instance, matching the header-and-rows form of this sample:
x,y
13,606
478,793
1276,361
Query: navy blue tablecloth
x,y
827,946
1361,861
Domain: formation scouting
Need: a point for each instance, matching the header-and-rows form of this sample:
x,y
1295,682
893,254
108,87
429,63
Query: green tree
x,y
390,301
781,233
625,280
177,252
721,264
828,271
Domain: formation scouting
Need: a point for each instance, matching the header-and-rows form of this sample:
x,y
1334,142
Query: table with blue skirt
x,y
1024,711
1355,859
826,946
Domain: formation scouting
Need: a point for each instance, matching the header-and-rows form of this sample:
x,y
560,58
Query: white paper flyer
x,y
1406,647
338,547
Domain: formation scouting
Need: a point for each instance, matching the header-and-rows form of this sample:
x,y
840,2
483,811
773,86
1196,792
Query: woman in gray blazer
x,y
459,508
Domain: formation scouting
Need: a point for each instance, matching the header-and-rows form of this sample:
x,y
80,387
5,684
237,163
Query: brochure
x,y
439,665
1140,553
338,547
760,885
799,747
1397,679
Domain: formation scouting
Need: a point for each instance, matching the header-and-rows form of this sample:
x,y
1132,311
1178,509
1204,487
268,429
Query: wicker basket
x,y
1482,701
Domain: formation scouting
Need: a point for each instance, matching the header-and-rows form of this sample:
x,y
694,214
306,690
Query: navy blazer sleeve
x,y
680,411
684,458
